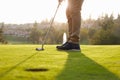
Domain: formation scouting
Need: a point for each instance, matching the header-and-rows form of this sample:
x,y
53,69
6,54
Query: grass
x,y
22,62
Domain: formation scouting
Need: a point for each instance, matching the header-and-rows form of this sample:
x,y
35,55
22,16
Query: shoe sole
x,y
74,50
70,50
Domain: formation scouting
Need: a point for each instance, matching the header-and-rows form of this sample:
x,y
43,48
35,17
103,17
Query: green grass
x,y
93,63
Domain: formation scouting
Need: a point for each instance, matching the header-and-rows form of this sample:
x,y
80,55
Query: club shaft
x,y
51,22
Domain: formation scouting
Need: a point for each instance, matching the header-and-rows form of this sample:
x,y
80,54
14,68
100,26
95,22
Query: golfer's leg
x,y
76,20
69,19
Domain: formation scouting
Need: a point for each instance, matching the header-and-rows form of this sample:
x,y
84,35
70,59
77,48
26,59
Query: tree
x,y
1,34
35,34
108,33
103,37
84,36
107,22
116,29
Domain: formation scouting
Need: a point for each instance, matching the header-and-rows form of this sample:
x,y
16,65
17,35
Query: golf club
x,y
51,22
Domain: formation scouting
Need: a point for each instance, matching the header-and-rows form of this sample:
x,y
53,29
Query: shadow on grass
x,y
13,67
80,67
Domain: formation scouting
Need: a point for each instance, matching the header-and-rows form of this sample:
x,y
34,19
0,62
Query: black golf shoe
x,y
69,46
61,45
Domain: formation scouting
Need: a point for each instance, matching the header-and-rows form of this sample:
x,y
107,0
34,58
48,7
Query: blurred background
x,y
26,22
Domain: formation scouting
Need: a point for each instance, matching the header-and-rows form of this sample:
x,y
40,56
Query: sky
x,y
29,11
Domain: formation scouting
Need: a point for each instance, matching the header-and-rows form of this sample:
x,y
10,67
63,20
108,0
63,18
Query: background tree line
x,y
104,30
54,36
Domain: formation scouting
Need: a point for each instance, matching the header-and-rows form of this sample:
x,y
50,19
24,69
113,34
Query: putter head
x,y
39,49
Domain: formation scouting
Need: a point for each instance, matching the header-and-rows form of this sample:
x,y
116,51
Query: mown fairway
x,y
22,62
